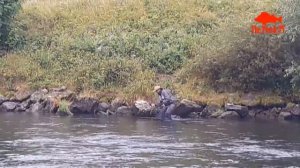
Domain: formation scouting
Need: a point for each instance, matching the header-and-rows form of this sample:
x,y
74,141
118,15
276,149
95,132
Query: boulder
x,y
103,107
116,103
9,106
295,110
41,100
186,107
241,110
143,108
61,94
36,108
217,114
50,106
3,99
20,109
46,106
195,115
84,106
290,105
270,114
38,96
26,104
285,116
254,111
22,96
209,110
230,115
124,111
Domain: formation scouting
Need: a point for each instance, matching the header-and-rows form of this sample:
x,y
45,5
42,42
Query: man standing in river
x,y
167,103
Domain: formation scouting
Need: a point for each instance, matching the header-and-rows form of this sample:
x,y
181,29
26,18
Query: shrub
x,y
64,106
8,8
291,11
63,109
257,64
141,87
238,61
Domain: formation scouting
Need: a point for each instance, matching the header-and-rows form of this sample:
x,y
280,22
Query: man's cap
x,y
156,88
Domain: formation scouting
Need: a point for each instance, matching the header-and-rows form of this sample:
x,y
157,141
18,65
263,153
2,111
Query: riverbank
x,y
64,102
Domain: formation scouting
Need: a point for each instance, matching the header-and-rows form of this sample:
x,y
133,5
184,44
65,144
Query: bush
x,y
256,64
141,87
63,109
64,106
239,61
8,8
291,11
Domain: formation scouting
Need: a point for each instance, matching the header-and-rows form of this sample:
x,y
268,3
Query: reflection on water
x,y
47,141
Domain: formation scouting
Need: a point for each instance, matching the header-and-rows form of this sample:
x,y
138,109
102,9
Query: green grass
x,y
64,108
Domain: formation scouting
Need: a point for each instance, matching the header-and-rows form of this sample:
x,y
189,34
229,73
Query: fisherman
x,y
167,103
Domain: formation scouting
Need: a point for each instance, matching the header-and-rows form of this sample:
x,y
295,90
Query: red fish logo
x,y
270,24
265,18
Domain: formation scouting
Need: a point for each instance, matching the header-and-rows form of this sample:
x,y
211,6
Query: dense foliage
x,y
256,62
8,8
291,10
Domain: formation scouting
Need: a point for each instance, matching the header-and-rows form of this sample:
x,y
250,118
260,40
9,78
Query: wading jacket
x,y
166,98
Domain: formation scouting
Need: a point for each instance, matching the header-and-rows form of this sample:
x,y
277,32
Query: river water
x,y
28,140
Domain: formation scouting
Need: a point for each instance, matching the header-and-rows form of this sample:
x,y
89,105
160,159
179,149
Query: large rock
x,y
46,106
285,116
116,103
22,96
61,94
3,99
253,112
51,105
40,100
195,115
186,107
230,115
209,110
20,109
295,110
9,106
38,96
124,111
143,108
84,106
241,110
26,104
36,108
217,114
103,107
270,114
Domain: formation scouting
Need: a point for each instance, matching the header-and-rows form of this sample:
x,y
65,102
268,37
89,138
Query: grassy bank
x,y
107,48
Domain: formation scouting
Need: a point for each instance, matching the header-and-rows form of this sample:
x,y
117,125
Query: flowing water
x,y
28,140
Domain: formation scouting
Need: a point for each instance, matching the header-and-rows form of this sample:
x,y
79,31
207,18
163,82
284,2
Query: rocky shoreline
x,y
49,101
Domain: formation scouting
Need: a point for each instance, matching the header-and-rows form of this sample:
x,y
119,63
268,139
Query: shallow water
x,y
28,140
